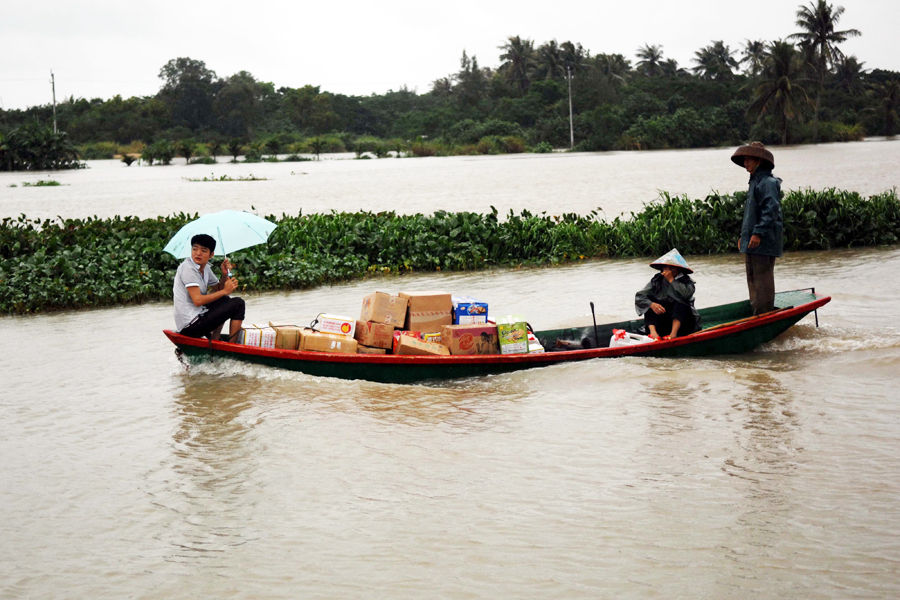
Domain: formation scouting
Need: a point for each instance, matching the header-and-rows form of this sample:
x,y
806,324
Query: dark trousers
x,y
217,312
761,282
674,310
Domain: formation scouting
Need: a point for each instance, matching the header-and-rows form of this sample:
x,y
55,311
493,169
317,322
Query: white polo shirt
x,y
188,275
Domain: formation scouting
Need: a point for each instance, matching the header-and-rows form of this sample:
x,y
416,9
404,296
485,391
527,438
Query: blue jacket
x,y
762,214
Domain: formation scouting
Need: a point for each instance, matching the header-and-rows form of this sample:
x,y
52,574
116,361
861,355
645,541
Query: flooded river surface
x,y
581,182
772,474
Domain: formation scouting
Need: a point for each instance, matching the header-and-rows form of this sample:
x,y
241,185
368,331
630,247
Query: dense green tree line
x,y
71,263
801,89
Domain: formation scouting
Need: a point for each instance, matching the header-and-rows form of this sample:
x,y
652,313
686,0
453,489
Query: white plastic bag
x,y
620,337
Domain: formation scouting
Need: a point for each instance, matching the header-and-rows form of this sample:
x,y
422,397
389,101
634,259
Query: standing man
x,y
202,303
761,238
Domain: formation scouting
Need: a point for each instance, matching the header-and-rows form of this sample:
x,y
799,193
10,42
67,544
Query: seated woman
x,y
667,301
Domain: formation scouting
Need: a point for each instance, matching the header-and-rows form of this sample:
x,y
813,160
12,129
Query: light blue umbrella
x,y
233,230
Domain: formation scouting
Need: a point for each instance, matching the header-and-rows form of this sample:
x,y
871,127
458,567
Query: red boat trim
x,y
539,358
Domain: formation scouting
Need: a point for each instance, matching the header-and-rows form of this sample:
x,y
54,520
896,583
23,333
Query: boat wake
x,y
827,339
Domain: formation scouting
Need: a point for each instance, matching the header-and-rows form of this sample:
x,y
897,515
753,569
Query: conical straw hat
x,y
671,258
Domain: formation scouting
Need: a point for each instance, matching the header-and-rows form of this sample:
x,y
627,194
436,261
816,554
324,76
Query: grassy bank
x,y
77,263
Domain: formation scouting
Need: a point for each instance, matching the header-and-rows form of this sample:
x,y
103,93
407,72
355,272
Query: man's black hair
x,y
207,241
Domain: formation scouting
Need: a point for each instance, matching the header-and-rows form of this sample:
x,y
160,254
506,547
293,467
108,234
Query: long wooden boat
x,y
727,329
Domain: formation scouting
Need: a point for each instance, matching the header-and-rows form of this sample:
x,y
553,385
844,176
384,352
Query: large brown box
x,y
375,335
380,307
410,345
427,312
471,338
287,337
316,341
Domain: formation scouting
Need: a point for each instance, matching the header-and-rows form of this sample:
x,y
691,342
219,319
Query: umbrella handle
x,y
224,251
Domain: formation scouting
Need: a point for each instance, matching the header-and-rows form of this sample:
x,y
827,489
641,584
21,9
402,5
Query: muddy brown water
x,y
771,474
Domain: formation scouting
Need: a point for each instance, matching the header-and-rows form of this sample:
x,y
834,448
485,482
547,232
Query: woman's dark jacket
x,y
658,290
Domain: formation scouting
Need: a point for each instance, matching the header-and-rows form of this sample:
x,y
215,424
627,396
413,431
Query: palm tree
x,y
849,75
650,60
6,157
614,67
234,148
754,53
274,146
887,94
550,63
442,87
715,62
670,68
317,145
518,62
36,147
215,146
779,91
186,149
573,56
818,22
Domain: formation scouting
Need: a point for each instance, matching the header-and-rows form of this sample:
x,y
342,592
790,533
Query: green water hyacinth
x,y
59,263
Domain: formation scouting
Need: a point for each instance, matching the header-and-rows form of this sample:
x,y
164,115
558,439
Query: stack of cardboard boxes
x,y
381,314
410,323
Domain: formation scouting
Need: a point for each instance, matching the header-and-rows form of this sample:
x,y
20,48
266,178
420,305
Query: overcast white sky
x,y
100,48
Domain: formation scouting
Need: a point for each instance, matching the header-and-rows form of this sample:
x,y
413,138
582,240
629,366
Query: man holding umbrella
x,y
202,303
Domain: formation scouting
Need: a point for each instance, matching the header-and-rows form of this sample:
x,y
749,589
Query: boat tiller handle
x,y
596,331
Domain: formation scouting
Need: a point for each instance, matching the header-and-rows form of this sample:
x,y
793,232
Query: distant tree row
x,y
800,89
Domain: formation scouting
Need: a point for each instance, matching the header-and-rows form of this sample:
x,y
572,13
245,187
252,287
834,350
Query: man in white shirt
x,y
202,303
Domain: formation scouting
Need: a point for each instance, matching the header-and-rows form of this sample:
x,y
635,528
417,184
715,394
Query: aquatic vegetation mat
x,y
73,263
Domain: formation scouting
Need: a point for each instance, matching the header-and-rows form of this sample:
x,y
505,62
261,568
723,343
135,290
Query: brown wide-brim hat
x,y
753,150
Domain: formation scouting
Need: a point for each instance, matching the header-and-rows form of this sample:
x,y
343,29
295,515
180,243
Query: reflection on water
x,y
766,461
764,439
212,467
211,433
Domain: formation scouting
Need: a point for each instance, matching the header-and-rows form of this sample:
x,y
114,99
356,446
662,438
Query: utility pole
x,y
571,126
53,88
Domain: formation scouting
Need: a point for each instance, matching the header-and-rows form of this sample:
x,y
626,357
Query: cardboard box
x,y
316,341
369,350
472,338
287,337
395,339
469,310
512,332
413,346
375,335
380,307
335,324
255,334
249,336
267,339
427,311
534,345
